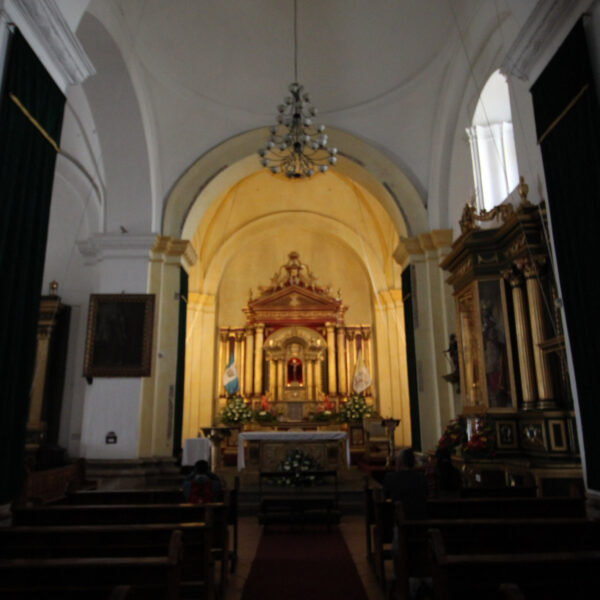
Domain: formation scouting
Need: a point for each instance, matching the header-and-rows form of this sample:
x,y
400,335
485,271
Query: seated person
x,y
408,485
447,476
202,485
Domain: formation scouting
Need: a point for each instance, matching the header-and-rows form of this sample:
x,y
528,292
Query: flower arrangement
x,y
454,435
325,411
482,442
355,409
265,414
236,412
293,470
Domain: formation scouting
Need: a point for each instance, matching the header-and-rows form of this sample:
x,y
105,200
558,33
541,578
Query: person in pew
x,y
408,485
446,475
202,485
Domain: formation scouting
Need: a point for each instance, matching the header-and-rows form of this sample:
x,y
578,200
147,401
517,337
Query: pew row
x,y
411,554
104,541
213,514
544,575
156,577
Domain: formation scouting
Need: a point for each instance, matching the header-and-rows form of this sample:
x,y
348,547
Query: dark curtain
x,y
568,127
27,162
180,375
411,358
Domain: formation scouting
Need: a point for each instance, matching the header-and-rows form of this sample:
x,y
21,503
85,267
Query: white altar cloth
x,y
289,436
195,449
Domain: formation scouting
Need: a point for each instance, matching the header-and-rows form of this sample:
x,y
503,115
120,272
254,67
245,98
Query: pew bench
x,y
492,536
102,541
214,514
539,575
135,496
156,577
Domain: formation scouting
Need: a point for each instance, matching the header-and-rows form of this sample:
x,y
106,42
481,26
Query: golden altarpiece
x,y
511,351
295,347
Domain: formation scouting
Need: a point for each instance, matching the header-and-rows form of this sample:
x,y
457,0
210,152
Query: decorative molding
x,y
116,246
47,23
539,36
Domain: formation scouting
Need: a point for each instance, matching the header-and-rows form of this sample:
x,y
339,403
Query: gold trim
x,y
563,113
35,123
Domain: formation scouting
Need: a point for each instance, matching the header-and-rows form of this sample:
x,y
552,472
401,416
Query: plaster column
x,y
249,362
341,361
331,359
538,331
310,378
258,359
526,368
272,380
279,385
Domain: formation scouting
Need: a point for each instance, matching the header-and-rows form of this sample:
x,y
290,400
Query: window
x,y
492,143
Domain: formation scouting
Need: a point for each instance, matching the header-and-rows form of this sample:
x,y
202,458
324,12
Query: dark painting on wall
x,y
119,335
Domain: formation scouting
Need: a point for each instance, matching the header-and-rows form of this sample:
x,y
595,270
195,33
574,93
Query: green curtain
x,y
568,126
27,161
180,376
411,358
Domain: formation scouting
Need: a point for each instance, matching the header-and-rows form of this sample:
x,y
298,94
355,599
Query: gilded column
x,y
34,422
538,332
318,379
310,378
272,379
366,351
279,379
523,340
238,357
350,356
331,374
223,359
249,364
341,361
258,359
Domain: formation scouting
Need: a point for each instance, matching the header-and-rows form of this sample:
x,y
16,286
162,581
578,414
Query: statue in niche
x,y
294,371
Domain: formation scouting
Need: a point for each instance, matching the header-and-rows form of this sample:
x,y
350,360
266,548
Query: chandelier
x,y
295,146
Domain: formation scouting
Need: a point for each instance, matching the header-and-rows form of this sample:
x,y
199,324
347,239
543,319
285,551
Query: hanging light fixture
x,y
296,147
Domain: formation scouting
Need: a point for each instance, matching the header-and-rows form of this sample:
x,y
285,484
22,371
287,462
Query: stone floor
x,y
352,528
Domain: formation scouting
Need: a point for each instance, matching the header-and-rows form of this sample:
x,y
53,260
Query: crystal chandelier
x,y
296,147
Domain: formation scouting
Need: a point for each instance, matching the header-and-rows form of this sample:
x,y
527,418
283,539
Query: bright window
x,y
493,145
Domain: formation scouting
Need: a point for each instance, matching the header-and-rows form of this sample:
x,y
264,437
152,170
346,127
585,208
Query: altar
x,y
267,449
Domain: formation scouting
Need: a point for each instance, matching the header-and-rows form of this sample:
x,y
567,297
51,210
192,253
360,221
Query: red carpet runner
x,y
303,566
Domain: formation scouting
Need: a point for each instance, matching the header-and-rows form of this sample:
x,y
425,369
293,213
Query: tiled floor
x,y
352,528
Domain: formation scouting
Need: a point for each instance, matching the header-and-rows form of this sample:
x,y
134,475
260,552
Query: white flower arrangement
x,y
355,409
236,411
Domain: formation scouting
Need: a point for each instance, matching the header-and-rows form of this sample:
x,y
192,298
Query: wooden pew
x,y
214,514
501,492
500,535
136,496
468,508
383,530
70,578
369,512
103,541
544,575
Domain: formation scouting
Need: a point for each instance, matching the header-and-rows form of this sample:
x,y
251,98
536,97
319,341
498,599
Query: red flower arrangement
x,y
482,442
454,435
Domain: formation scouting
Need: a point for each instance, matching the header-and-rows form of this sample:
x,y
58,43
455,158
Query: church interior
x,y
241,230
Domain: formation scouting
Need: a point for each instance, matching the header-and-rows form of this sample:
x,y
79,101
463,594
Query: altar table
x,y
267,448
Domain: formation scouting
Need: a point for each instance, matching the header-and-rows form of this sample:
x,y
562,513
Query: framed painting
x,y
119,335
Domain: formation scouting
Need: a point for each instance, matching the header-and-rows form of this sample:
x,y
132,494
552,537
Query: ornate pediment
x,y
294,297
